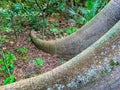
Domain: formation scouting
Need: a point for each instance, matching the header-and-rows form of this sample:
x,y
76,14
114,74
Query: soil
x,y
24,65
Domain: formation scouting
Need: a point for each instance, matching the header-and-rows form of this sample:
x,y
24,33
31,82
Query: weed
x,y
70,30
25,57
39,62
62,61
54,30
112,63
81,15
7,66
55,23
4,38
22,50
29,38
9,79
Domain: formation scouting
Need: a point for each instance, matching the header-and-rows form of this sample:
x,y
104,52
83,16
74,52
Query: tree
x,y
83,68
84,37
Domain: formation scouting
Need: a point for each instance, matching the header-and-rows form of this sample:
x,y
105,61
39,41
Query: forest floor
x,y
25,64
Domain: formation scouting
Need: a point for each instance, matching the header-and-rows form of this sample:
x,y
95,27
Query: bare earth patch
x,y
24,65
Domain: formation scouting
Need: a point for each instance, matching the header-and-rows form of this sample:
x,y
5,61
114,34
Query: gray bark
x,y
70,46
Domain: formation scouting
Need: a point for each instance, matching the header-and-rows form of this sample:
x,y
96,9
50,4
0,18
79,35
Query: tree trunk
x,y
85,36
77,72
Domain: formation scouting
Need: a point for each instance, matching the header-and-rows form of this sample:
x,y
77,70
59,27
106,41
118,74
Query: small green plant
x,y
5,20
55,23
54,31
9,79
29,38
39,62
112,63
25,57
105,71
4,38
22,50
81,15
62,61
70,30
7,66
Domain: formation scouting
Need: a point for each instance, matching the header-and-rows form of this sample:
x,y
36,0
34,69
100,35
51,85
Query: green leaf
x,y
1,61
39,62
6,80
6,29
4,38
32,1
12,79
3,68
72,20
112,63
9,80
12,66
62,8
84,11
70,30
63,61
89,4
17,6
71,11
22,50
54,30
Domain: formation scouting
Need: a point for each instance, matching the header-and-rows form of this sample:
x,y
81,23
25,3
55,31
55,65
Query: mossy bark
x,y
70,46
79,70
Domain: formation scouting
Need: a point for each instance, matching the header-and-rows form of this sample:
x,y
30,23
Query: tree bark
x,y
77,72
72,45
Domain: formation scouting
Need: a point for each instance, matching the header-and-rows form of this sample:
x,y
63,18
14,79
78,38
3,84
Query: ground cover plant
x,y
51,19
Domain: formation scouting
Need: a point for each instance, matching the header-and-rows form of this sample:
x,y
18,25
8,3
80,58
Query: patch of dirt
x,y
24,65
25,68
